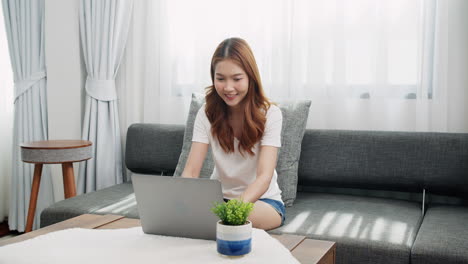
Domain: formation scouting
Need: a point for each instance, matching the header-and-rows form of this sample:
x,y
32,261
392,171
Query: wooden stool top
x,y
56,144
56,151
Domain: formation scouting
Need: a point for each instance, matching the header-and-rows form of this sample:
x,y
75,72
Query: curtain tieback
x,y
24,85
102,90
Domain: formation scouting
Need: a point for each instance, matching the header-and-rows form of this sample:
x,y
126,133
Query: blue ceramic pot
x,y
234,240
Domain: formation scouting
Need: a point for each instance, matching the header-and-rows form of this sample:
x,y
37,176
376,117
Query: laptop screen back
x,y
177,206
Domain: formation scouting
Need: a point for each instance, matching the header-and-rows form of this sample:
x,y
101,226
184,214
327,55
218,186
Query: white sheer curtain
x,y
6,119
24,24
102,55
365,64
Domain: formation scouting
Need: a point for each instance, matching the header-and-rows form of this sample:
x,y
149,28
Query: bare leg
x,y
264,216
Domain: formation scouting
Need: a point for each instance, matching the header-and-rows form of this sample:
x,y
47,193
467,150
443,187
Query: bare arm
x,y
195,160
265,168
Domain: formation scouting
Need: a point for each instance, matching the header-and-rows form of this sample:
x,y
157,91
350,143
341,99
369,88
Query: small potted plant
x,y
233,230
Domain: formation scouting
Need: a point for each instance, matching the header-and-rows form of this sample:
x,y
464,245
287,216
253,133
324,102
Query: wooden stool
x,y
63,152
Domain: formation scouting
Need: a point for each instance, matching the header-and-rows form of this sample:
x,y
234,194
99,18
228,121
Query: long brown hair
x,y
255,102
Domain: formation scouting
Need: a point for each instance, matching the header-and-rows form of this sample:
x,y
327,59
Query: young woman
x,y
244,130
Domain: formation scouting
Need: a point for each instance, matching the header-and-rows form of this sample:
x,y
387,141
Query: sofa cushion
x,y
443,236
118,199
197,102
295,115
401,161
366,229
153,148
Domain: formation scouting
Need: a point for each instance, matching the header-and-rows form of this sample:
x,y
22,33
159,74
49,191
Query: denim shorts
x,y
277,205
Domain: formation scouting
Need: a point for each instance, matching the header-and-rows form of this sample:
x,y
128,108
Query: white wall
x,y
65,77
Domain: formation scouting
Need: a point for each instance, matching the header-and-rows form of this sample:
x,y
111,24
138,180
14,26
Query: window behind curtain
x,y
365,64
341,48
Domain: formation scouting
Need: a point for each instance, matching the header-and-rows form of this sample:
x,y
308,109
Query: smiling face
x,y
231,82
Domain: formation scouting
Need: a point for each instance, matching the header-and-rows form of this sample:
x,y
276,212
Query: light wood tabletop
x,y
56,144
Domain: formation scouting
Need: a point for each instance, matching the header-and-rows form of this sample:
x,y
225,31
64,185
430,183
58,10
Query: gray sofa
x,y
384,197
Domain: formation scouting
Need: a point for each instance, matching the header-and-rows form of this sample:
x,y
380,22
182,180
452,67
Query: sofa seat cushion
x,y
443,236
118,199
366,229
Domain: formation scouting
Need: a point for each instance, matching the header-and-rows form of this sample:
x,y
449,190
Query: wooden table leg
x,y
33,197
69,186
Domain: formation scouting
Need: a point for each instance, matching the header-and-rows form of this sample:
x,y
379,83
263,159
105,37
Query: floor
x,y
6,237
5,233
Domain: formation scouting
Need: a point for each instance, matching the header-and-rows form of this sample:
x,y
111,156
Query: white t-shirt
x,y
235,171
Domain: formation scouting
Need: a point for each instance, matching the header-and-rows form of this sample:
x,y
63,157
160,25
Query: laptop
x,y
178,207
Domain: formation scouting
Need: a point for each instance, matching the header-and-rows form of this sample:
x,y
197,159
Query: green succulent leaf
x,y
233,212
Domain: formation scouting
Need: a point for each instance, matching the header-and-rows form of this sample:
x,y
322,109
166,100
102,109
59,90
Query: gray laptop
x,y
177,206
